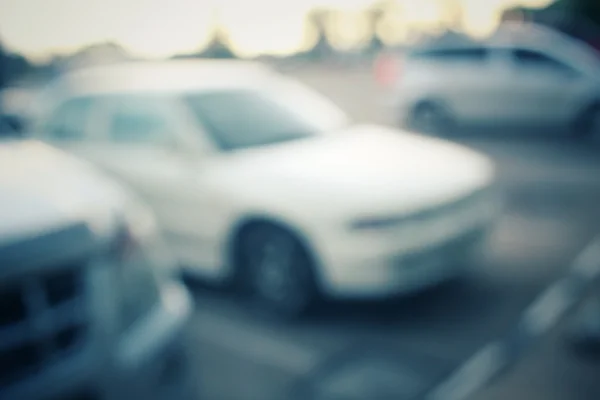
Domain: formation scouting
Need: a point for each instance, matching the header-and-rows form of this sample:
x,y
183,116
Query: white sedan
x,y
258,180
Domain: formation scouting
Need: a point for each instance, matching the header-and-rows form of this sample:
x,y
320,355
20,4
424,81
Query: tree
x,y
578,18
3,61
218,47
588,8
375,15
318,18
96,54
517,14
12,66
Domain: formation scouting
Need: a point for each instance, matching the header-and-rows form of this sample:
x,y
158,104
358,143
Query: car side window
x,y
542,62
139,119
69,120
471,54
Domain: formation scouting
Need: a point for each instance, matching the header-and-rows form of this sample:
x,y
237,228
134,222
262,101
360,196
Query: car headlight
x,y
375,223
145,232
480,204
142,265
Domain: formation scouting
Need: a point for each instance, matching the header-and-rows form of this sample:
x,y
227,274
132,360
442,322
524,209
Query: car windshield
x,y
242,118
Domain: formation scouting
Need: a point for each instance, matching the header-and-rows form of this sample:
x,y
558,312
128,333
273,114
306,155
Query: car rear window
x,y
540,61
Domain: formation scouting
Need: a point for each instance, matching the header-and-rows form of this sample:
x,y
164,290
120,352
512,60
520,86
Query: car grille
x,y
452,250
465,204
42,320
429,229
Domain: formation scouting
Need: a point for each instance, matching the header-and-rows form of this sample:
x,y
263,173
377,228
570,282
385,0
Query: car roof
x,y
447,42
162,76
530,36
547,40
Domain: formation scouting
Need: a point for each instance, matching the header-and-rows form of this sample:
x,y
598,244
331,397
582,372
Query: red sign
x,y
386,69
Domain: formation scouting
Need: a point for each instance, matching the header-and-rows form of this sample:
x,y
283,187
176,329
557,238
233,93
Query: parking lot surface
x,y
398,348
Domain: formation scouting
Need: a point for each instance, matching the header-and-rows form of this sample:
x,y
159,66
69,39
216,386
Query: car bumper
x,y
147,362
151,360
383,274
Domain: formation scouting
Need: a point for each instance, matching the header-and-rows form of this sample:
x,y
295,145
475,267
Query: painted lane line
x,y
482,367
260,347
587,264
543,314
547,310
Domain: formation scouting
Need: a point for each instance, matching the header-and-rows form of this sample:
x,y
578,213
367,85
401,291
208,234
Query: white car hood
x,y
362,168
43,189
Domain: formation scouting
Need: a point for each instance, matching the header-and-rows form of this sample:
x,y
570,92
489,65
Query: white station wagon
x,y
524,76
259,180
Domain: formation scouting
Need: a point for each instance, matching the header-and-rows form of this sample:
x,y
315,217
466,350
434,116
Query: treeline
x,y
12,66
580,18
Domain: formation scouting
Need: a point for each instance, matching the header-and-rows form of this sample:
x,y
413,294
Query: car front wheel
x,y
431,119
588,124
277,270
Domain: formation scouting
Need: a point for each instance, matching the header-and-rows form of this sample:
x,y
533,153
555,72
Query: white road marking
x,y
258,345
267,348
543,314
480,368
547,310
588,262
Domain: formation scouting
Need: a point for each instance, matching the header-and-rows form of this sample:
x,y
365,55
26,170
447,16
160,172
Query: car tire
x,y
583,332
276,271
587,125
431,119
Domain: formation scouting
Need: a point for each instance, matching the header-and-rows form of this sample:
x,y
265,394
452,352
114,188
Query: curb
x,y
544,313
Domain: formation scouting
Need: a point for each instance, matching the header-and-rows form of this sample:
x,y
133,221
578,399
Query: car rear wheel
x,y
277,271
431,119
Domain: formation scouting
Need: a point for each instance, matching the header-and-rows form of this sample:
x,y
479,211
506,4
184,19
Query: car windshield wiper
x,y
273,141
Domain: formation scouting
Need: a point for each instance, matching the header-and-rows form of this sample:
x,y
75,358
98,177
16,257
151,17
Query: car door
x,y
464,79
148,142
145,142
543,88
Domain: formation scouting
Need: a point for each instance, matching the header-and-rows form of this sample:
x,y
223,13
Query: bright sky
x,y
159,28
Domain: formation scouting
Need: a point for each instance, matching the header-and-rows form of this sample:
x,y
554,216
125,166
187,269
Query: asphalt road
x,y
396,348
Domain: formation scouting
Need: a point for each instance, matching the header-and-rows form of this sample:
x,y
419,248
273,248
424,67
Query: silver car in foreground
x,y
89,306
